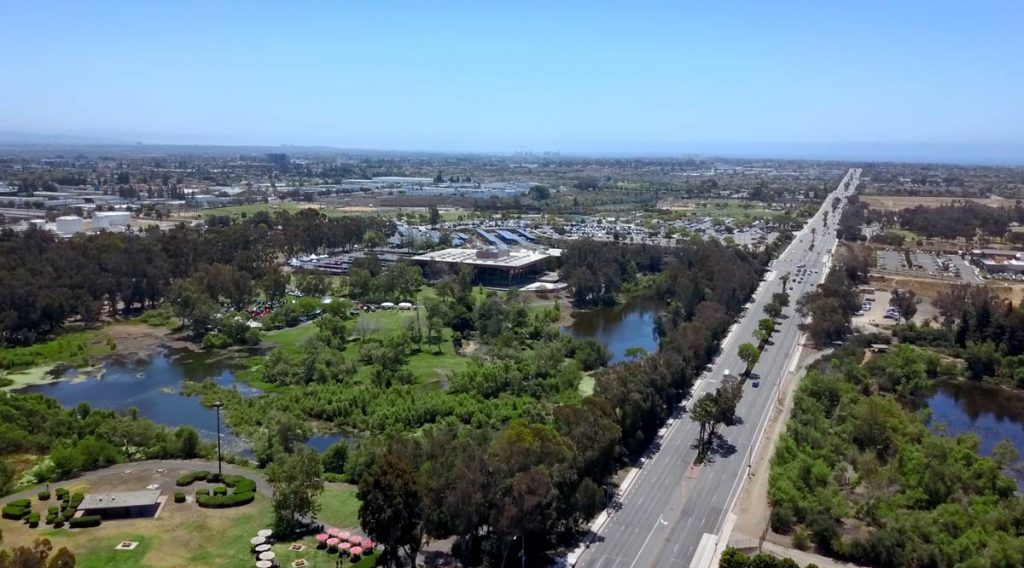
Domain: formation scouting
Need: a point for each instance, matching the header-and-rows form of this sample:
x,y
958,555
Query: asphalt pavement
x,y
662,516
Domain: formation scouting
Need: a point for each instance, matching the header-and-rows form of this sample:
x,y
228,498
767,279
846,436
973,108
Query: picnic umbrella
x,y
264,564
322,538
344,535
355,539
345,545
332,531
356,551
265,533
367,544
332,542
257,540
262,548
268,555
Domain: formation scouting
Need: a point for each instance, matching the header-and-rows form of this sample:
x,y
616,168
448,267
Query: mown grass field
x,y
722,208
186,535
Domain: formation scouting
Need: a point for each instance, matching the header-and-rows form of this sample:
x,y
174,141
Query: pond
x,y
993,413
152,386
630,324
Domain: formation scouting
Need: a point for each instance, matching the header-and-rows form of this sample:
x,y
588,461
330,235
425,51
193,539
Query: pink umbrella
x,y
355,539
332,542
321,537
345,545
367,544
356,551
333,531
344,535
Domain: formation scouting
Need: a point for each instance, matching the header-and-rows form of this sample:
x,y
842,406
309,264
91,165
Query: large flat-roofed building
x,y
995,261
497,266
122,505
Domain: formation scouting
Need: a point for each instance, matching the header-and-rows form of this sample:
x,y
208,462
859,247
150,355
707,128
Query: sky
x,y
586,77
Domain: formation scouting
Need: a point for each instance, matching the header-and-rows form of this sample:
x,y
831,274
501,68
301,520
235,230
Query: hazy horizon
x,y
932,81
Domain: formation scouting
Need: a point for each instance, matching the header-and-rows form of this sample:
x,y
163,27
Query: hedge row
x,y
179,497
61,493
44,495
17,510
33,520
190,478
224,501
85,522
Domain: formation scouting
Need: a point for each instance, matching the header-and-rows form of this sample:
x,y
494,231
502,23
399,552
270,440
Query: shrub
x,y
240,483
69,514
225,501
61,493
53,509
179,497
190,478
800,540
202,493
216,341
50,518
33,520
76,500
220,490
58,523
85,522
215,478
782,519
43,496
17,510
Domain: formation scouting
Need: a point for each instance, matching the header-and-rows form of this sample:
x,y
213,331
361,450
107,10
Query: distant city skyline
x,y
914,80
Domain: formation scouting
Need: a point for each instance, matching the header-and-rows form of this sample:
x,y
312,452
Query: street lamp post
x,y
218,406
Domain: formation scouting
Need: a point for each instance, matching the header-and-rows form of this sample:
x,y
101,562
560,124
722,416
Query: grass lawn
x,y
339,507
183,535
291,337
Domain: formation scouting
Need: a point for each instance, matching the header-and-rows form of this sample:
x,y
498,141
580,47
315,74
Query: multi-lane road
x,y
661,518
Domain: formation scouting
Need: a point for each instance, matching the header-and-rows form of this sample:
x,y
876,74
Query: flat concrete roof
x,y
142,498
516,258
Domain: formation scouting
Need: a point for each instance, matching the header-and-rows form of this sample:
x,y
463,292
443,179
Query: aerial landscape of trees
x,y
859,474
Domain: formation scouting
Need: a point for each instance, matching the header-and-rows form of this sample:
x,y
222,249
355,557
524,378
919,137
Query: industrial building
x,y
111,220
70,224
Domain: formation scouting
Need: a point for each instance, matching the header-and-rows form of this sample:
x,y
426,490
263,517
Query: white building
x,y
70,224
111,219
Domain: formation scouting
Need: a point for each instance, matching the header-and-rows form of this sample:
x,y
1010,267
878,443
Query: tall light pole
x,y
218,406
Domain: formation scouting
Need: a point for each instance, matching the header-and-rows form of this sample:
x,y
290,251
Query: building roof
x,y
141,498
515,258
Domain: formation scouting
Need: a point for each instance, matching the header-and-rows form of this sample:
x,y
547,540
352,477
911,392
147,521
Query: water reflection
x,y
620,327
993,413
151,386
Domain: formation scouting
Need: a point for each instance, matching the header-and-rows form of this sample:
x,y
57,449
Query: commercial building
x,y
994,261
498,266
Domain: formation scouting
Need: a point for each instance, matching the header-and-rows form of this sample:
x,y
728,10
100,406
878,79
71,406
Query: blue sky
x,y
630,77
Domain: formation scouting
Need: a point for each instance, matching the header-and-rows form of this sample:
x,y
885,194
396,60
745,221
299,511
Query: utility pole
x,y
218,406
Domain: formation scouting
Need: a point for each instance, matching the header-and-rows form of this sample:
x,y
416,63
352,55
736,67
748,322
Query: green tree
x,y
390,509
1005,453
335,457
297,482
749,354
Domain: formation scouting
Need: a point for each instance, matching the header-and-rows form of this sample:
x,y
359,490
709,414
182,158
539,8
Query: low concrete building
x,y
497,266
122,505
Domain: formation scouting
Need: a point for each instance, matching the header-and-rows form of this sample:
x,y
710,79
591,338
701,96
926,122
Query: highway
x,y
661,517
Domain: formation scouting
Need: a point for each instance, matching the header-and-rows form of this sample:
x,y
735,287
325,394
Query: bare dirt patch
x,y
141,340
897,202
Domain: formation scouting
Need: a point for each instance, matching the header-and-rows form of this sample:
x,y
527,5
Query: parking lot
x,y
935,265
